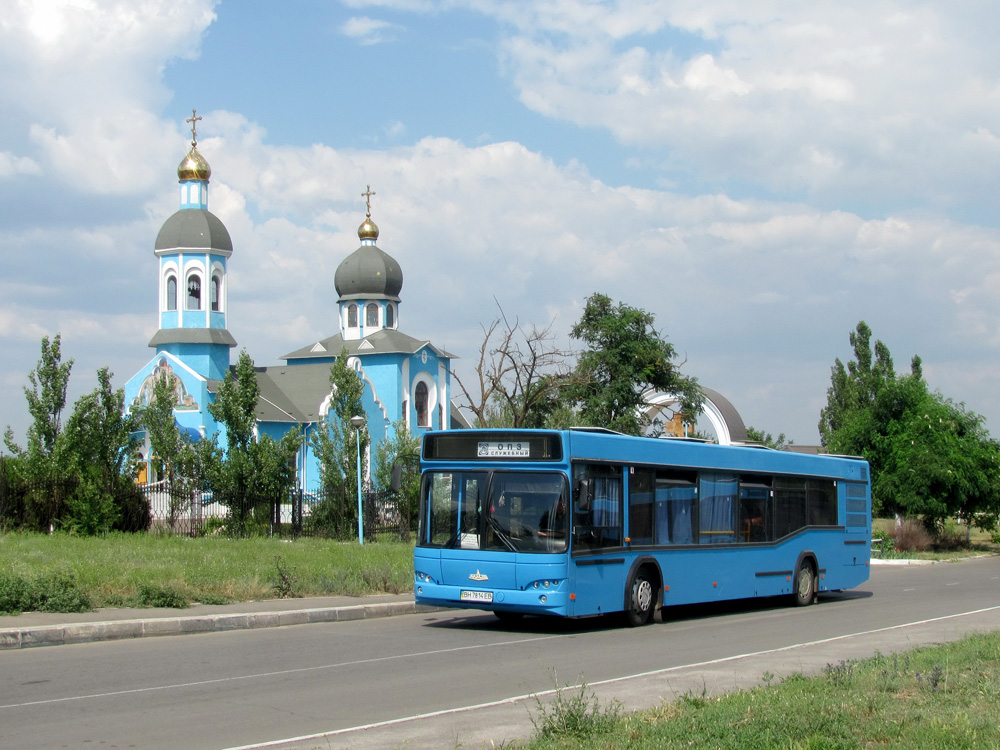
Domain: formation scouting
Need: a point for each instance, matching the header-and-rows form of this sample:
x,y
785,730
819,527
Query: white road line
x,y
278,673
529,696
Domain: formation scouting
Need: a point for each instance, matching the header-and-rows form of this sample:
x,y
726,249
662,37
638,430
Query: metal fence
x,y
297,513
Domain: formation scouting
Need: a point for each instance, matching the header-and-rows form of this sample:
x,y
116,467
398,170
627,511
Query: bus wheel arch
x,y
804,581
642,592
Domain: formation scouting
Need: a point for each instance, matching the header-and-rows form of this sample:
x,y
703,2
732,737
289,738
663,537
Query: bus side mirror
x,y
583,493
397,476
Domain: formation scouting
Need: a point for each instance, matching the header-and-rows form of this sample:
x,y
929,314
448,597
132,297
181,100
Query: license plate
x,y
477,596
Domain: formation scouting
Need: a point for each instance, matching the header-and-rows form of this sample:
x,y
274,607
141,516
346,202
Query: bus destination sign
x,y
496,449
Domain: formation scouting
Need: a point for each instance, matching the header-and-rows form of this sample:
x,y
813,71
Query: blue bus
x,y
587,521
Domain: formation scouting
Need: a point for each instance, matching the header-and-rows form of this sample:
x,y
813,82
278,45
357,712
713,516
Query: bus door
x,y
598,552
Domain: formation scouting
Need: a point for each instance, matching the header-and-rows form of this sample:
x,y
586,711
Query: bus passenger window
x,y
600,526
676,509
717,508
755,516
640,506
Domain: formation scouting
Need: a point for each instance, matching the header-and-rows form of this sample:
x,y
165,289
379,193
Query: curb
x,y
60,635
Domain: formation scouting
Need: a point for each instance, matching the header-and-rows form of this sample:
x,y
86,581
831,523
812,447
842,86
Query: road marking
x,y
531,696
278,673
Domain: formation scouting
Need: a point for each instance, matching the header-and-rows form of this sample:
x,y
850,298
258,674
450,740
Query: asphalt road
x,y
449,679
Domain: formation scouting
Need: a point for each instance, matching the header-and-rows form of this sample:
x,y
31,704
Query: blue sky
x,y
758,177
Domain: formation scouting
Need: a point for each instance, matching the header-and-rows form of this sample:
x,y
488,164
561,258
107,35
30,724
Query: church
x,y
404,378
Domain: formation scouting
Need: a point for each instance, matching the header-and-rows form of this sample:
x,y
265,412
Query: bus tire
x,y
641,598
804,590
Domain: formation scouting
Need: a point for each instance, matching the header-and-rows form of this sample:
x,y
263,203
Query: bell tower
x,y
193,247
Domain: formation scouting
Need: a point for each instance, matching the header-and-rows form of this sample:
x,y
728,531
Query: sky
x,y
758,176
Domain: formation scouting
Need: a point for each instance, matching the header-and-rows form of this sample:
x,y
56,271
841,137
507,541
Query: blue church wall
x,y
190,389
210,359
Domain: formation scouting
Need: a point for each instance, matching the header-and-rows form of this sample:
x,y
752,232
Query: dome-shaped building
x,y
405,379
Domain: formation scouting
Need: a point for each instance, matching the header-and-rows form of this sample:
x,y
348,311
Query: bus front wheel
x,y
805,585
642,598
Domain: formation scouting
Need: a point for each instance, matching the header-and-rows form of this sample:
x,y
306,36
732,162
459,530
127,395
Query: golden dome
x,y
194,167
368,229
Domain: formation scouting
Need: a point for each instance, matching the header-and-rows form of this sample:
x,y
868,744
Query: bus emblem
x,y
477,576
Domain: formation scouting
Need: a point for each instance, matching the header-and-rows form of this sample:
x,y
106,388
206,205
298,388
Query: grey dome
x,y
369,273
196,228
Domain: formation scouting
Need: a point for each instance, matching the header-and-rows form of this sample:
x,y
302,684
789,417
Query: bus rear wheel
x,y
805,585
641,597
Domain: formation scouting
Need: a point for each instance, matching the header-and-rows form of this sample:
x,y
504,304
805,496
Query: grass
x,y
160,570
980,543
937,697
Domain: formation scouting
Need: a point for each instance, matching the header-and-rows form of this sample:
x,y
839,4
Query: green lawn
x,y
128,569
940,697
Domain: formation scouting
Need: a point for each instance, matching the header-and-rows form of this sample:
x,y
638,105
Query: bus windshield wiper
x,y
501,534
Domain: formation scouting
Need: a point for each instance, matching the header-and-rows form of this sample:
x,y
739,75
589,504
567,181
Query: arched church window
x,y
171,292
420,402
390,316
194,292
371,315
216,293
352,316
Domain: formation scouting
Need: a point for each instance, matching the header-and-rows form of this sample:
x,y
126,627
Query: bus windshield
x,y
494,510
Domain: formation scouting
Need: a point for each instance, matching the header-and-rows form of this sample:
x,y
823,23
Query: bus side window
x,y
717,508
789,505
600,525
640,506
755,513
676,506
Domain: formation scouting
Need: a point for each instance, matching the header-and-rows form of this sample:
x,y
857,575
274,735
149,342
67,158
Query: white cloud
x,y
368,31
759,295
11,165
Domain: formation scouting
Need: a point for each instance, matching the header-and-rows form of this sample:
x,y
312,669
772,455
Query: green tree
x,y
759,436
624,357
249,475
929,457
335,442
46,401
170,447
404,448
101,449
854,390
41,469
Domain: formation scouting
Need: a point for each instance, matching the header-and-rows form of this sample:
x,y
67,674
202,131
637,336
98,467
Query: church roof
x,y
194,228
385,341
368,273
192,336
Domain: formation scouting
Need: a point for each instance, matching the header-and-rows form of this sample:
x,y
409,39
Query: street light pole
x,y
358,422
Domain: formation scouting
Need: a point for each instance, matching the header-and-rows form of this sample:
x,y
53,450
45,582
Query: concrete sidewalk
x,y
46,629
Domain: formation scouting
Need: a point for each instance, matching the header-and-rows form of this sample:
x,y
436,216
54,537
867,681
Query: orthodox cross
x,y
193,119
367,195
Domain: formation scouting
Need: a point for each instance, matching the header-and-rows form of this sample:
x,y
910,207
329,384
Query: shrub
x,y
575,716
911,535
51,592
952,536
151,595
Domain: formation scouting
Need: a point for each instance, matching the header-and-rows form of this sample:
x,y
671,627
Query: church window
x,y
371,315
420,402
194,292
390,317
171,292
352,316
216,293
